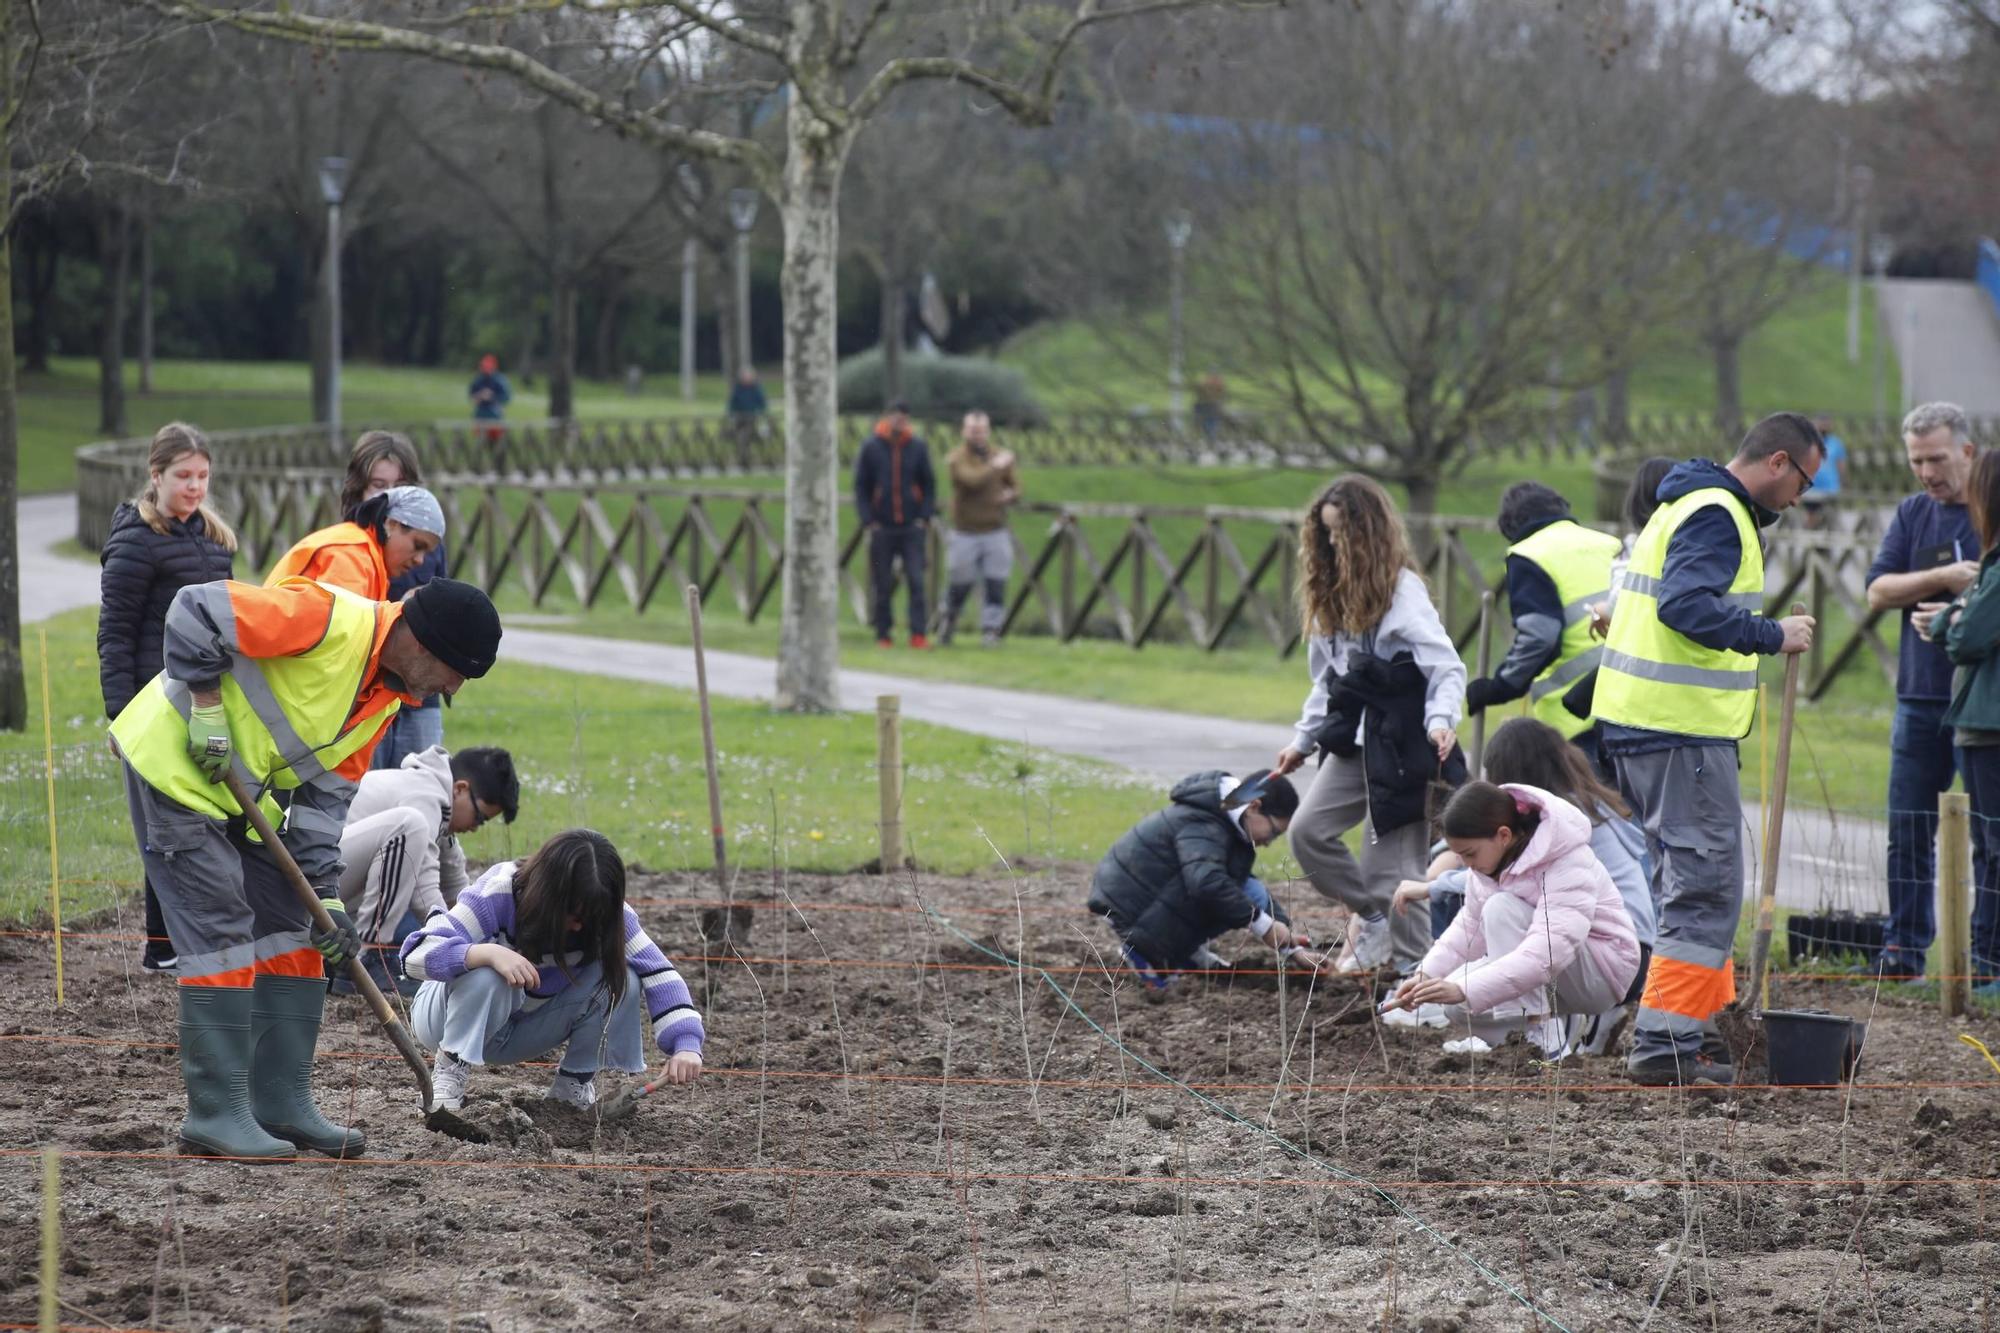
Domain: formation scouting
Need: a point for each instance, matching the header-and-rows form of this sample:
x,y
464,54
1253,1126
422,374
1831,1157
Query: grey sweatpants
x,y
391,868
1688,802
1336,801
482,1020
984,558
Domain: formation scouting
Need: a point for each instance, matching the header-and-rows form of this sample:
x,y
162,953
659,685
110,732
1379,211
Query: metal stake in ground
x,y
1477,756
730,922
365,984
1774,829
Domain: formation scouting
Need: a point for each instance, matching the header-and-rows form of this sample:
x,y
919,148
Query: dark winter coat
x,y
1386,700
142,572
1175,880
893,482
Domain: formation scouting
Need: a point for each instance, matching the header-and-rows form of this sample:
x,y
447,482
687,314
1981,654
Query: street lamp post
x,y
1880,251
743,216
690,258
1179,227
1863,183
333,188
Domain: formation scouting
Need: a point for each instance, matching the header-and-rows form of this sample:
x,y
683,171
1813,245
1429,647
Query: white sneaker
x,y
448,1075
570,1090
1474,1045
1423,1016
1372,945
1208,959
1547,1035
1598,1034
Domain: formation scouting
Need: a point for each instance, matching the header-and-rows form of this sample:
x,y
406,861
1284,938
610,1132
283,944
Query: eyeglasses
x,y
1804,475
480,817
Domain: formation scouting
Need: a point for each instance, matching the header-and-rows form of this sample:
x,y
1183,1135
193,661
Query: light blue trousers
x,y
482,1020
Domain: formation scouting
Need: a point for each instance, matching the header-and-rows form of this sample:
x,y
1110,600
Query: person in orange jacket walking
x,y
289,688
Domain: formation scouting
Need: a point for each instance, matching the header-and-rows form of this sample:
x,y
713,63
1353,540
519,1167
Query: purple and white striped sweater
x,y
485,913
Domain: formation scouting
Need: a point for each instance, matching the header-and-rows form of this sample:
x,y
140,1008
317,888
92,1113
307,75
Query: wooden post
x,y
1954,902
55,859
1774,829
889,774
51,1237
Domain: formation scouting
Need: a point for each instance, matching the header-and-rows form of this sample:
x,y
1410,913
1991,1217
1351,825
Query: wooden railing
x,y
1213,577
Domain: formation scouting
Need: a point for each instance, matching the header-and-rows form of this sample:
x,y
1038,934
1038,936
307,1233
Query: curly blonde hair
x,y
1348,578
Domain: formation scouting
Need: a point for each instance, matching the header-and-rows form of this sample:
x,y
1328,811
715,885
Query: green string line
x,y
1230,1114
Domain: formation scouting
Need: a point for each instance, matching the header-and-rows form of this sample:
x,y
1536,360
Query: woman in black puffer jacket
x,y
165,540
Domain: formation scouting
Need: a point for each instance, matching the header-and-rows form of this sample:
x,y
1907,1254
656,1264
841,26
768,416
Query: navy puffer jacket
x,y
142,572
1175,880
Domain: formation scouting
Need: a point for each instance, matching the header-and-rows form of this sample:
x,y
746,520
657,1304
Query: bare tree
x,y
825,54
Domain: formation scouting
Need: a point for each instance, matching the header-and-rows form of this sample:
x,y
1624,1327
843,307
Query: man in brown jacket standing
x,y
979,547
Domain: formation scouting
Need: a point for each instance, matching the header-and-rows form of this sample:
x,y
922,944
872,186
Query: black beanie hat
x,y
456,624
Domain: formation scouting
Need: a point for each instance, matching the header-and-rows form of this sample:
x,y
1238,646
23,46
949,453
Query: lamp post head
x,y
333,179
743,209
1880,251
1179,226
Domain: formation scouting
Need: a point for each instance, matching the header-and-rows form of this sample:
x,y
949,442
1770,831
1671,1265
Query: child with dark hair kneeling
x,y
1182,875
541,955
1543,931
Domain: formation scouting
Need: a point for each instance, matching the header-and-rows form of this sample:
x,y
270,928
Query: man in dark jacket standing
x,y
895,495
1182,875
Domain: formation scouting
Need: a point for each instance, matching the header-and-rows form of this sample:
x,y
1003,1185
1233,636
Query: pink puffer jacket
x,y
1576,906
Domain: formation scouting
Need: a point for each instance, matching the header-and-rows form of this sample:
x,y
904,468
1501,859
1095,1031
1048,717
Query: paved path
x,y
1830,860
1947,335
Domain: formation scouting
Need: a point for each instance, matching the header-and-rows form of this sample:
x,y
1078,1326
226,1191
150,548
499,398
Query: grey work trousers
x,y
1336,801
1689,804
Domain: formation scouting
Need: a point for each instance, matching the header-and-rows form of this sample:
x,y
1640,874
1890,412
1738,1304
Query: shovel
x,y
399,1035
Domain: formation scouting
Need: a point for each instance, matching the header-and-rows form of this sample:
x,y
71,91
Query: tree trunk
x,y
13,679
1423,503
44,260
562,346
114,260
808,635
1618,406
893,306
146,305
1728,381
604,338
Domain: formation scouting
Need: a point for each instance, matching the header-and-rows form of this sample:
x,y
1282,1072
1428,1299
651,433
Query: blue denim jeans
x,y
1982,784
411,731
1922,763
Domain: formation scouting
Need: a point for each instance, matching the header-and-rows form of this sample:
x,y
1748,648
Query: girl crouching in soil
x,y
540,955
1543,929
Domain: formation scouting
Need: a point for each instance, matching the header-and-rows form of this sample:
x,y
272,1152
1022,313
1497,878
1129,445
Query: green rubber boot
x,y
284,1030
215,1065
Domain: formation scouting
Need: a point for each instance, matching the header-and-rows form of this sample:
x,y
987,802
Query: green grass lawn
x,y
622,758
59,409
1797,360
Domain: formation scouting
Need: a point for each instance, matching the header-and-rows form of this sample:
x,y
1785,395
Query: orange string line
x,y
782,1171
1072,969
1101,1085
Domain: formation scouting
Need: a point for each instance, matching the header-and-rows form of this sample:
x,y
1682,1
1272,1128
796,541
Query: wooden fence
x,y
1213,577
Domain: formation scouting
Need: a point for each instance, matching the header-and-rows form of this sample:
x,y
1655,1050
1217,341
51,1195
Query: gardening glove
x,y
343,941
1479,693
208,740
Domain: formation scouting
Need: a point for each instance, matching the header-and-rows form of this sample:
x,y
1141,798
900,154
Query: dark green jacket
x,y
1969,629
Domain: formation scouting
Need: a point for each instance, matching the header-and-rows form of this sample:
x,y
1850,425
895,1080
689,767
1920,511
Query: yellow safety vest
x,y
1654,678
287,718
1578,561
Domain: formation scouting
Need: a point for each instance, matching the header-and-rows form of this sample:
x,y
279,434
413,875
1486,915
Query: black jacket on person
x,y
142,571
1385,700
893,482
1174,881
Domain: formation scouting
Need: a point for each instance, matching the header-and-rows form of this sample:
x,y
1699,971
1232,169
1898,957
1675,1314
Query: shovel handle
x,y
384,1013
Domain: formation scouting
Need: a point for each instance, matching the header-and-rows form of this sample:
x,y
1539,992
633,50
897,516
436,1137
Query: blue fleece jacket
x,y
1702,558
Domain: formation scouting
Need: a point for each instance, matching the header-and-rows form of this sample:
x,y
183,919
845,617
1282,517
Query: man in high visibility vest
x,y
1676,690
289,687
1557,569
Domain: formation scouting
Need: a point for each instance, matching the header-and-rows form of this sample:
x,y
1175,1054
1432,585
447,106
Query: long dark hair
x,y
1534,754
1643,497
577,873
371,448
1480,810
1982,498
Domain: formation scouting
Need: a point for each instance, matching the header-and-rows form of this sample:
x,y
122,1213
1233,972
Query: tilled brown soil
x,y
919,1136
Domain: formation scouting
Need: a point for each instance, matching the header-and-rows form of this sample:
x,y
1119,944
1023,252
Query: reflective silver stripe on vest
x,y
293,752
1568,673
1648,586
1668,673
1580,608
